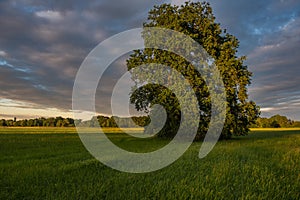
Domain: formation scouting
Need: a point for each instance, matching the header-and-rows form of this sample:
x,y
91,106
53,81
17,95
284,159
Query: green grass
x,y
53,164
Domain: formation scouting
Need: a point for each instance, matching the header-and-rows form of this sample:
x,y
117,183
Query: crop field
x,y
52,163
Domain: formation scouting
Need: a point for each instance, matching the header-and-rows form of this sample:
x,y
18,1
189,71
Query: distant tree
x,y
10,122
77,121
141,121
65,123
264,122
3,122
93,122
274,124
68,122
102,120
112,123
30,122
275,121
23,123
295,124
59,123
197,21
282,121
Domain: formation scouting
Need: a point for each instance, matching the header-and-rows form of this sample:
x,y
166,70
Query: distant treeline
x,y
276,121
103,121
39,122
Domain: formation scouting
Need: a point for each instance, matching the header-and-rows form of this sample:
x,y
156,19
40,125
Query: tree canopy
x,y
197,21
103,121
276,121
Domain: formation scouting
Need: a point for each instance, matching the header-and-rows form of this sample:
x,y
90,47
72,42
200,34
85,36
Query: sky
x,y
43,43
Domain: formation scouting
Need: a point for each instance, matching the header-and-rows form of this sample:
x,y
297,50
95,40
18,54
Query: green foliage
x,y
276,121
197,21
55,165
3,122
39,122
103,121
115,121
275,124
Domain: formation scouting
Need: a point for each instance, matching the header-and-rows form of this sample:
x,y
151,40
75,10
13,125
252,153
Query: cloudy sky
x,y
43,43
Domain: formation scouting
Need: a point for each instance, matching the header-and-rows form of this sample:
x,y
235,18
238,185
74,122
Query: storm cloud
x,y
43,43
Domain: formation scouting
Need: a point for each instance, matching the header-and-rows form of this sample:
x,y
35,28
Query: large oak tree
x,y
197,21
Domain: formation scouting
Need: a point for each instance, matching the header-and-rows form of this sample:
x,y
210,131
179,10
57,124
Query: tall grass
x,y
55,165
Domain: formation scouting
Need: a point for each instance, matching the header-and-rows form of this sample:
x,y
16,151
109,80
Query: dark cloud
x,y
251,21
276,68
269,35
51,39
43,43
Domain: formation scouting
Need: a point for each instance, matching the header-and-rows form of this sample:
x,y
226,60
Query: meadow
x,y
52,163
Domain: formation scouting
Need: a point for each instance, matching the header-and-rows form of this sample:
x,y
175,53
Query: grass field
x,y
41,163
